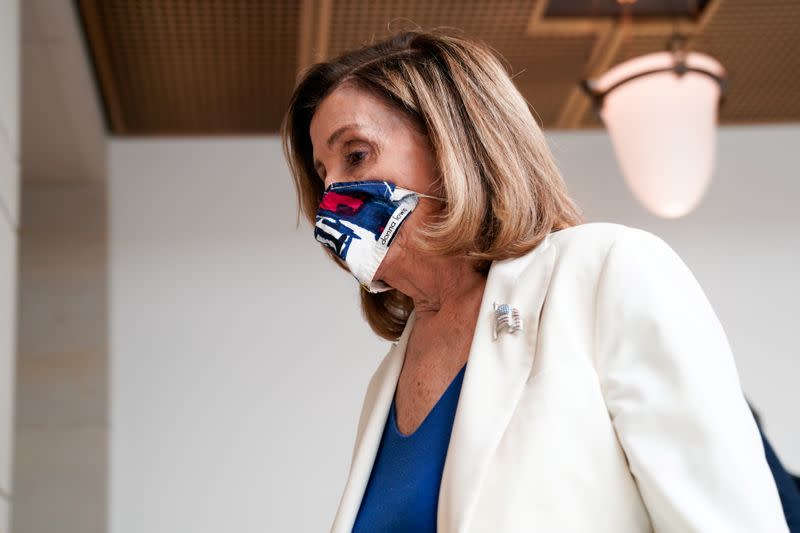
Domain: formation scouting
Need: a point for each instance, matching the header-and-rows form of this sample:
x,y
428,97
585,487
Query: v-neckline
x,y
393,410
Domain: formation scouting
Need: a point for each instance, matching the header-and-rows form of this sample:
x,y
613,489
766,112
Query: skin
x,y
446,291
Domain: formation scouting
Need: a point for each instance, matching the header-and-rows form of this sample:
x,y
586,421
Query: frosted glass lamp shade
x,y
661,115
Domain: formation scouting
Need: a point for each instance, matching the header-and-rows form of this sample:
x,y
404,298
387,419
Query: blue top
x,y
402,493
788,489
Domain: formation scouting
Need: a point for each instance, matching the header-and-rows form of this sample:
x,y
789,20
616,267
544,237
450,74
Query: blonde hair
x,y
503,191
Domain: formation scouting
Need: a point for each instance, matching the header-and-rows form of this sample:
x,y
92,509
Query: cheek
x,y
410,229
423,167
411,162
404,241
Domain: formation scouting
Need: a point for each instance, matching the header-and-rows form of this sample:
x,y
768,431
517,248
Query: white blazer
x,y
618,408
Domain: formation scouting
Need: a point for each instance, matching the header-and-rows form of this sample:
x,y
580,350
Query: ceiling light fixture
x,y
660,110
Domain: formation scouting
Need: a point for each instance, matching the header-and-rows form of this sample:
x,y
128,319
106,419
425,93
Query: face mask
x,y
358,220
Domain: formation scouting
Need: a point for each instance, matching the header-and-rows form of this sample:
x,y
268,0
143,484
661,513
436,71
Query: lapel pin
x,y
506,317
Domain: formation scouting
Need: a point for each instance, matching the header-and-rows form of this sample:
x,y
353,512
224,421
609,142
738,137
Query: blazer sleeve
x,y
674,396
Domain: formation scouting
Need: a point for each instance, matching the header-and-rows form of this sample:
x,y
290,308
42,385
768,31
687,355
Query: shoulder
x,y
593,242
598,236
583,254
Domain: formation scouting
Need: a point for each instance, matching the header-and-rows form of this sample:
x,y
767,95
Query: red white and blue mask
x,y
358,220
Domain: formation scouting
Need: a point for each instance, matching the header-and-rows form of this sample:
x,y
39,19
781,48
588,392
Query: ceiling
x,y
178,67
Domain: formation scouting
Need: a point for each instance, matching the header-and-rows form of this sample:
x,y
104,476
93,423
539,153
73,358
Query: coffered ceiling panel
x,y
228,66
174,67
545,68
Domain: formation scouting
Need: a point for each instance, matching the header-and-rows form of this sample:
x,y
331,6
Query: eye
x,y
355,158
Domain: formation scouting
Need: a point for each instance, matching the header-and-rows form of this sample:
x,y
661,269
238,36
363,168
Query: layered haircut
x,y
502,190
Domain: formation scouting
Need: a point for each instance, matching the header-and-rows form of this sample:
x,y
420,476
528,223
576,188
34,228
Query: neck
x,y
439,286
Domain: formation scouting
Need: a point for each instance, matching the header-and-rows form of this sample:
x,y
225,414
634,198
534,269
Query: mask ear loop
x,y
429,196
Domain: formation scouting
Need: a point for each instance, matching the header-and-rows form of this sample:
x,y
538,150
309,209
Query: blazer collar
x,y
493,381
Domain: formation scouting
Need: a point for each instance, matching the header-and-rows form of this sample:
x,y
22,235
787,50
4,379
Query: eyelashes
x,y
355,158
352,159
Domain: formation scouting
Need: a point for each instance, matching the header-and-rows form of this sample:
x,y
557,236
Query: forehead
x,y
349,104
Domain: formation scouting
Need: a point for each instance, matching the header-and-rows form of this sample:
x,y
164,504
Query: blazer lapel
x,y
493,381
376,410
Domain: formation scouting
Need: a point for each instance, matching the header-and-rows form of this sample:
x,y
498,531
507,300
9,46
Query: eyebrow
x,y
335,135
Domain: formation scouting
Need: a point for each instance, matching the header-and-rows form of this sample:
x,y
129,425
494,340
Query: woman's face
x,y
356,136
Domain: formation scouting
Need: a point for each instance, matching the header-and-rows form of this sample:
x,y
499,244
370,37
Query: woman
x,y
547,374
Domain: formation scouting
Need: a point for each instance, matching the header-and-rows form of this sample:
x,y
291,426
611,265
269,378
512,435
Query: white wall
x,y
61,439
9,198
237,352
239,359
61,445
